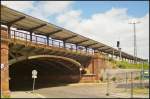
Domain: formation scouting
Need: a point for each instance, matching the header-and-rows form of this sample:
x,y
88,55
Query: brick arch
x,y
53,57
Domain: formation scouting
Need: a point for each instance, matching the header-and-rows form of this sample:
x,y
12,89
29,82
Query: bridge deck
x,y
21,21
21,39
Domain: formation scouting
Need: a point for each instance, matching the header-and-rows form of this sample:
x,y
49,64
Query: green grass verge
x,y
127,65
141,90
5,97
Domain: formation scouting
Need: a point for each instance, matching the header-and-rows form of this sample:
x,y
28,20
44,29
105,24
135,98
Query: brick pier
x,y
4,63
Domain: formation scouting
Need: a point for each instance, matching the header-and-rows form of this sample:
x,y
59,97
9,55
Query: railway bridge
x,y
59,55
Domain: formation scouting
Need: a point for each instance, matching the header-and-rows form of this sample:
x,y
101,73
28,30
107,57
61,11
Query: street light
x,y
80,69
134,22
120,53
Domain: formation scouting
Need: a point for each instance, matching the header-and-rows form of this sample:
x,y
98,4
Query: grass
x,y
141,90
127,65
5,96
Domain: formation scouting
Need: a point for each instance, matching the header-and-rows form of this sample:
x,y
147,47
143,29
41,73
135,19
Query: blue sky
x,y
135,8
103,21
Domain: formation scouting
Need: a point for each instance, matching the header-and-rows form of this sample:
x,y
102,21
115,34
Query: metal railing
x,y
39,39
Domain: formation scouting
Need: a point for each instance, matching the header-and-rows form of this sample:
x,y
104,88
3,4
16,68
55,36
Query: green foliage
x,y
5,96
126,65
137,78
101,79
114,79
110,59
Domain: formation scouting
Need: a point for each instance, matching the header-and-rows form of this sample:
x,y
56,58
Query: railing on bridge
x,y
39,39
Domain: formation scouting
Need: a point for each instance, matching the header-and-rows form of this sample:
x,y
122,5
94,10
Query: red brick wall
x,y
94,67
88,78
4,60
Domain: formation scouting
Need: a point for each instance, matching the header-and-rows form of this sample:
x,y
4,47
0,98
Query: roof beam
x,y
20,48
98,47
109,50
81,42
37,27
116,52
67,38
91,44
12,55
16,20
104,49
54,32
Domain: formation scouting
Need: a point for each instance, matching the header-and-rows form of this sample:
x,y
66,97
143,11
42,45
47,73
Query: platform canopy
x,y
31,24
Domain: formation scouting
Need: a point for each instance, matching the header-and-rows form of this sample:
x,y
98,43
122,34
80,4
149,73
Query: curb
x,y
41,96
36,94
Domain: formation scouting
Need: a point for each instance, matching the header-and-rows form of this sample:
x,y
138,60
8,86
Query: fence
x,y
39,39
131,84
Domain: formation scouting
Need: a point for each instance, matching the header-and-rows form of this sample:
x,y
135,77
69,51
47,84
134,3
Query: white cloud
x,y
19,5
69,19
40,9
55,6
109,27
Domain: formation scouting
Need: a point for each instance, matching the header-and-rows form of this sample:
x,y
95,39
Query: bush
x,y
101,78
110,59
120,66
114,79
137,78
5,96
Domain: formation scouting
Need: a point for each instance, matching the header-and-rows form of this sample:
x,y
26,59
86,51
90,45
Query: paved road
x,y
23,94
83,91
73,91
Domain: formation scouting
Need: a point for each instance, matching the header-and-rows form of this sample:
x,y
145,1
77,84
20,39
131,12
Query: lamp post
x,y
80,69
134,22
120,53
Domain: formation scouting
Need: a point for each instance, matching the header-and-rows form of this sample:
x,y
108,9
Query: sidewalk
x,y
20,94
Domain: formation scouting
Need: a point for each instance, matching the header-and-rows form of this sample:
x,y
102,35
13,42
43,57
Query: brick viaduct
x,y
90,63
21,52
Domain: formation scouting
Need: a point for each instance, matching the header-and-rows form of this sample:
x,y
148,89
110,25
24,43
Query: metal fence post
x,y
26,38
107,93
52,42
33,85
14,36
141,79
126,81
131,84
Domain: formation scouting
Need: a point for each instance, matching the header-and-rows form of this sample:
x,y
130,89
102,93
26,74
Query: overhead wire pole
x,y
134,22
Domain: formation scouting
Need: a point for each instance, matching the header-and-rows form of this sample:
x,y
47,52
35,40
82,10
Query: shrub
x,y
114,79
5,96
101,78
137,78
120,66
110,59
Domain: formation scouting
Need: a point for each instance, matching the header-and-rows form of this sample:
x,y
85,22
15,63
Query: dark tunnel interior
x,y
50,73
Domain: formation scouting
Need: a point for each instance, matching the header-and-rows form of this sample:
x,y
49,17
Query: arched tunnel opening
x,y
51,72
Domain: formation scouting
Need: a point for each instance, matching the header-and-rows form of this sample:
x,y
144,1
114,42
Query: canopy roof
x,y
25,22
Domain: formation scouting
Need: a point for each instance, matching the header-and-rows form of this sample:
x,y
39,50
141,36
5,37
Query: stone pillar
x,y
4,63
98,64
95,67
